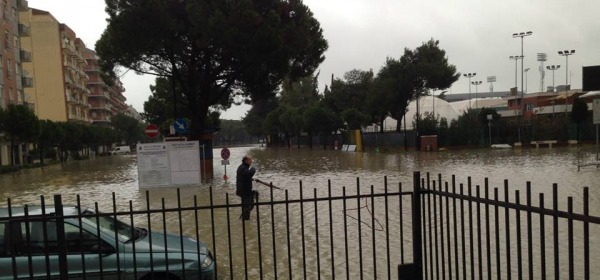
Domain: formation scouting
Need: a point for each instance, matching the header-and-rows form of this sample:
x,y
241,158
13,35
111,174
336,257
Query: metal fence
x,y
472,232
435,230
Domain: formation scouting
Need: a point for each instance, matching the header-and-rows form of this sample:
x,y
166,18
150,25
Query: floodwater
x,y
98,180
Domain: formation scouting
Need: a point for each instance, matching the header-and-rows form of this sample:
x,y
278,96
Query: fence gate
x,y
479,232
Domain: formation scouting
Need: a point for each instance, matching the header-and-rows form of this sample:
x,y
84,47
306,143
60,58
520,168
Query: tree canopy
x,y
213,50
414,74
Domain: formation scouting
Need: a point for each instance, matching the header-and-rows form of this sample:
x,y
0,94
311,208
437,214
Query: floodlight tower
x,y
526,70
469,76
566,54
522,35
491,80
476,83
542,57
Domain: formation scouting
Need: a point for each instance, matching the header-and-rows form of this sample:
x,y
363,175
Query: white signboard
x,y
185,162
168,164
596,108
153,165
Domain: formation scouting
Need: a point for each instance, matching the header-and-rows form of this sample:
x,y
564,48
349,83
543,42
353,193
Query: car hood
x,y
159,242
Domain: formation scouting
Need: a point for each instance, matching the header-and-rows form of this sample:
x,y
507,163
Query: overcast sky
x,y
477,37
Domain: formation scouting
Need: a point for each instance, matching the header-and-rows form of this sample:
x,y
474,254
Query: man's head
x,y
247,160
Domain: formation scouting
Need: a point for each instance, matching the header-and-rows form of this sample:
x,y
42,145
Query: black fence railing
x,y
344,233
471,232
462,232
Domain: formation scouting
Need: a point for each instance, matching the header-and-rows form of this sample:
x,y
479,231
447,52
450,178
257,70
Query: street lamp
x,y
476,83
566,54
526,70
515,58
553,68
470,75
522,35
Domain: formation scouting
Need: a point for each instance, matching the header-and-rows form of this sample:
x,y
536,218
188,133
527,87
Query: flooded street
x,y
96,180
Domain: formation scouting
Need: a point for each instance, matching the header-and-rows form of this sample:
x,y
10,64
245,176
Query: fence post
x,y
60,235
417,266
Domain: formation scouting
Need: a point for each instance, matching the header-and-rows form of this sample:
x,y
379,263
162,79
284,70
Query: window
x,y
9,68
6,40
15,41
2,228
529,107
35,238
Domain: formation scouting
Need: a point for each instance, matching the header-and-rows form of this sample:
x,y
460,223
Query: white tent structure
x,y
435,105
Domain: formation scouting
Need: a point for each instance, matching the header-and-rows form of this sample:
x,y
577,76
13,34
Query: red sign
x,y
152,130
225,154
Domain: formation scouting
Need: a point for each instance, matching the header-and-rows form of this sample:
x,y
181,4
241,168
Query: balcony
x,y
24,30
27,82
25,56
70,98
23,5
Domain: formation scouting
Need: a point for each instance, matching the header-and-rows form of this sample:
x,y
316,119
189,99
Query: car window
x,y
31,238
2,241
111,226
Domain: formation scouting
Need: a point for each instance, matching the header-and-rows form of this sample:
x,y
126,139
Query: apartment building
x,y
105,99
59,91
12,78
11,86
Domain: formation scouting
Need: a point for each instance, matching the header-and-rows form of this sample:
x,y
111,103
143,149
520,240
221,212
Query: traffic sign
x,y
181,125
225,153
151,130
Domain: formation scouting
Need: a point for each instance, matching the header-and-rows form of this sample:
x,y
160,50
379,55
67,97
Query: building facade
x,y
105,99
59,91
12,78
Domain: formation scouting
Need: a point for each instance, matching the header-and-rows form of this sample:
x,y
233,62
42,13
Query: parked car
x,y
121,150
96,246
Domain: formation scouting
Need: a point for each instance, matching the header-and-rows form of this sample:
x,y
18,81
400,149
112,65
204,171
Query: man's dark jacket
x,y
243,180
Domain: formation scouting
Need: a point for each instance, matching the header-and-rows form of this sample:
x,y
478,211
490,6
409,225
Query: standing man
x,y
243,185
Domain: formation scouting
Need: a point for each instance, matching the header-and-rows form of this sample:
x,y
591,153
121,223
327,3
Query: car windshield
x,y
124,232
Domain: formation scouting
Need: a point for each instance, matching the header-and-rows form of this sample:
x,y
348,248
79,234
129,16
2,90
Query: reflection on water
x,y
96,180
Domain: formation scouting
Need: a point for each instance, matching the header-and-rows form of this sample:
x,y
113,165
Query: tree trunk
x,y
12,151
41,146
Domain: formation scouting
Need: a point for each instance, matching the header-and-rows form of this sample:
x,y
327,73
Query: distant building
x,y
105,100
58,91
132,112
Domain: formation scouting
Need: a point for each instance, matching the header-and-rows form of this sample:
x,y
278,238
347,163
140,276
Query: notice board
x,y
168,164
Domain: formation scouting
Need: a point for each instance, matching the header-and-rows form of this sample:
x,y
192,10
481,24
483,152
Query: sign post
x,y
596,108
151,131
225,156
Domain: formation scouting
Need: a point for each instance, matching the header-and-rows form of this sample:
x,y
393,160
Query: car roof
x,y
18,211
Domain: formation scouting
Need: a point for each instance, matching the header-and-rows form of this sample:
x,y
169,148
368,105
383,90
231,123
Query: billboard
x,y
591,78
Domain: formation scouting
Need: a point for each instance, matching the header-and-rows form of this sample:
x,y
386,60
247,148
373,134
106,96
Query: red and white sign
x,y
152,130
225,154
